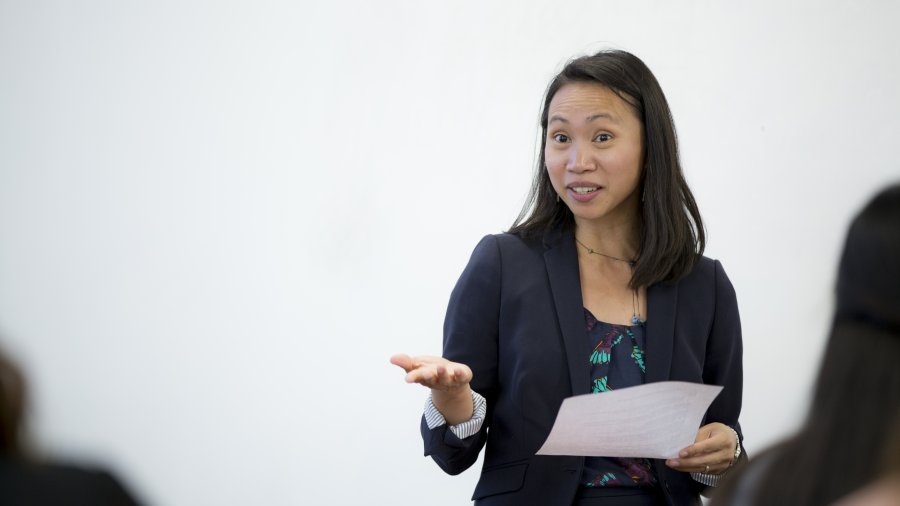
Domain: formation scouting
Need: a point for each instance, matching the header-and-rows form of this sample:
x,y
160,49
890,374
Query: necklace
x,y
635,314
592,252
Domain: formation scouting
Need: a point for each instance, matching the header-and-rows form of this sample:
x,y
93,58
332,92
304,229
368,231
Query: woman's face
x,y
594,152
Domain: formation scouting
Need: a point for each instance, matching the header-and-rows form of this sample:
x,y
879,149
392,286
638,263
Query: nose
x,y
579,159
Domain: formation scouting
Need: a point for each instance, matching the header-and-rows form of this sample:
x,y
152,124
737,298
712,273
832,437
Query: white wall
x,y
219,219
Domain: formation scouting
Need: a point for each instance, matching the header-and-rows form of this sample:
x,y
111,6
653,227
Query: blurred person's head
x,y
12,407
851,428
868,285
27,479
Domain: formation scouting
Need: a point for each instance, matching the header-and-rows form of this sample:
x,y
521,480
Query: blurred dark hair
x,y
672,235
868,287
851,428
12,407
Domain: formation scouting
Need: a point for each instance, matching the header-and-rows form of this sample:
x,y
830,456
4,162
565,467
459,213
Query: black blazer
x,y
516,318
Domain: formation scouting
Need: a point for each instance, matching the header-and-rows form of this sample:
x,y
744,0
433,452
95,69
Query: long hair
x,y
671,230
854,412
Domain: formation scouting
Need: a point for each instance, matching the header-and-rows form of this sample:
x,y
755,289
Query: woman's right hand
x,y
436,373
448,381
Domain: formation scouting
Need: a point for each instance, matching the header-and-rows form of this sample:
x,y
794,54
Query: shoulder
x,y
707,283
706,272
506,246
61,483
509,240
497,255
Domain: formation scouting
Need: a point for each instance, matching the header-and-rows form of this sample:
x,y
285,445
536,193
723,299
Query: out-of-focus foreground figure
x,y
850,441
25,480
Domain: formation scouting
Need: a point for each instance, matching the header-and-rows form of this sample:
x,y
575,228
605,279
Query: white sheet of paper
x,y
655,420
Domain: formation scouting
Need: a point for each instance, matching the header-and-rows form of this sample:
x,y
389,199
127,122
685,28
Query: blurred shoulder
x,y
53,483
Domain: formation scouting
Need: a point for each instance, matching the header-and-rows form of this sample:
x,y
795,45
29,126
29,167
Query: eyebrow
x,y
557,117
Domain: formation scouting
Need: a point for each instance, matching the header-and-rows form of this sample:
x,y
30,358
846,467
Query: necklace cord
x,y
635,314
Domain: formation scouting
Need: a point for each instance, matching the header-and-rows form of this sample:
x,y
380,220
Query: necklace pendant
x,y
635,320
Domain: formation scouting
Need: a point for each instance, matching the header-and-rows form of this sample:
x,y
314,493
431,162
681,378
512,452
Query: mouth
x,y
583,190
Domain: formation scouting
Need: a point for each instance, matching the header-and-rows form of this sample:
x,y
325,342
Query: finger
x,y
710,438
695,450
716,460
429,359
422,374
713,445
702,434
691,450
403,360
464,373
449,376
704,465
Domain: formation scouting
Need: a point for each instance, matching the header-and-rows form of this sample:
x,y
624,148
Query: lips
x,y
583,191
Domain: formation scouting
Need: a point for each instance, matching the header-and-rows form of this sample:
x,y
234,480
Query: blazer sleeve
x,y
724,355
470,337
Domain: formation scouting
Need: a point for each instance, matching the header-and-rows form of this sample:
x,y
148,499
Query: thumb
x,y
704,433
404,361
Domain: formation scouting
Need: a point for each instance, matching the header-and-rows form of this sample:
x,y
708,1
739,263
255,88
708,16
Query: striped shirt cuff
x,y
710,480
434,418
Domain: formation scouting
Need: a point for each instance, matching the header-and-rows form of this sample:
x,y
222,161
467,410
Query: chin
x,y
601,213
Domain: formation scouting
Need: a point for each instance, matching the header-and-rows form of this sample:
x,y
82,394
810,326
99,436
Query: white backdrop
x,y
219,219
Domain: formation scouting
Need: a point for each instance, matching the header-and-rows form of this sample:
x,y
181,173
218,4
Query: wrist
x,y
737,447
455,405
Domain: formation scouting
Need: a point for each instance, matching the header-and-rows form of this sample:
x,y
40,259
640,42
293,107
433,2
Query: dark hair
x,y
12,407
672,235
854,412
868,285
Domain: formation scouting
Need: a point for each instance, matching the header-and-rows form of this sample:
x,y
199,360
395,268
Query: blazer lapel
x,y
660,330
562,269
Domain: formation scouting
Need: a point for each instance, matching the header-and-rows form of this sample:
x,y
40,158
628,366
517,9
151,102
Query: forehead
x,y
589,99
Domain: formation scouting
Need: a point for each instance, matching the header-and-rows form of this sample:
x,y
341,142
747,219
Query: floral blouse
x,y
617,361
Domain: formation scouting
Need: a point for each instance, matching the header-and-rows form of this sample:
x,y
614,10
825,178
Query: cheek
x,y
628,165
556,175
555,165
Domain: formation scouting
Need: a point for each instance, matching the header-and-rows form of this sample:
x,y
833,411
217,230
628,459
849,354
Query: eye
x,y
561,138
603,138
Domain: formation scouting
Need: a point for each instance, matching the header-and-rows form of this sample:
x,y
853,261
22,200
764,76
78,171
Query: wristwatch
x,y
737,446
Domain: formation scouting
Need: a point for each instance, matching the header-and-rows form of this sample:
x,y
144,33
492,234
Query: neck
x,y
618,239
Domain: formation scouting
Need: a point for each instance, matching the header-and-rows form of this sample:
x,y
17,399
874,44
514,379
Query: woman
x,y
852,432
600,284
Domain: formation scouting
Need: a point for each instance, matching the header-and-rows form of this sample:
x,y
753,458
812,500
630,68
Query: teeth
x,y
583,190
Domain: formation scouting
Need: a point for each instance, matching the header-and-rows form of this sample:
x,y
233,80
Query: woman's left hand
x,y
711,453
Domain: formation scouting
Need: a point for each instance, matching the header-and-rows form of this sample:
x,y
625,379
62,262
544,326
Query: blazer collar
x,y
659,331
561,259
